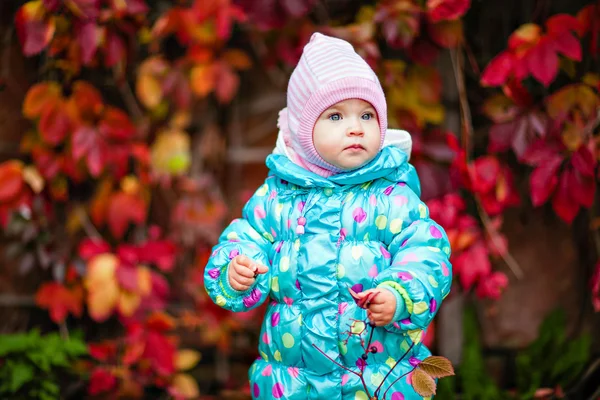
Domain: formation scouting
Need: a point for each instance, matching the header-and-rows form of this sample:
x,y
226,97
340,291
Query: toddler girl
x,y
339,210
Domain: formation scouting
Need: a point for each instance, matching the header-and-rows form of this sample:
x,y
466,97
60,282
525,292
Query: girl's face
x,y
347,134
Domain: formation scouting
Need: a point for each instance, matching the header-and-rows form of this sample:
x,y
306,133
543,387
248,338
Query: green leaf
x,y
20,375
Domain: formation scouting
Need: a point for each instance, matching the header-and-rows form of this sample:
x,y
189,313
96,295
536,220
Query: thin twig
x,y
88,226
393,383
390,371
335,362
467,133
128,96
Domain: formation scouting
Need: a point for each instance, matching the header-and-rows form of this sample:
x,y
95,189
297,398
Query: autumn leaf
x,y
185,386
103,351
437,367
35,28
88,143
448,34
59,300
54,124
123,209
202,79
440,10
11,176
39,97
101,284
171,153
101,381
423,383
116,125
186,359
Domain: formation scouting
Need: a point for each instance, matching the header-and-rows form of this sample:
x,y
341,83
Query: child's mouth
x,y
355,147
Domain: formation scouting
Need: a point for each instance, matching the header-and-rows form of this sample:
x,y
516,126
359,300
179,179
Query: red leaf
x,y
59,301
563,204
227,84
439,10
34,29
583,189
88,35
498,70
501,135
160,351
162,253
101,380
127,277
114,50
540,151
47,162
561,23
89,248
11,176
103,351
116,125
542,61
568,45
472,265
54,124
87,142
124,209
492,286
543,180
484,173
584,161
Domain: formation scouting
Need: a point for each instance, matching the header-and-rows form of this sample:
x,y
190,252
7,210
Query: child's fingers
x,y
243,261
261,269
243,280
377,308
244,271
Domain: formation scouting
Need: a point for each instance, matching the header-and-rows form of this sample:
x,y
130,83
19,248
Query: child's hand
x,y
243,271
381,307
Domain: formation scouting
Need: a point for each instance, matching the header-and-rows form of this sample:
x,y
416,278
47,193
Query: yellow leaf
x,y
186,386
102,287
202,79
170,152
423,383
128,303
437,367
149,90
499,108
32,176
186,359
573,96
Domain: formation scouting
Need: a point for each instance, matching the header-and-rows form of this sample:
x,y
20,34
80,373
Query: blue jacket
x,y
320,236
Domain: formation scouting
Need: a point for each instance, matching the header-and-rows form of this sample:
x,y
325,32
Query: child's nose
x,y
355,127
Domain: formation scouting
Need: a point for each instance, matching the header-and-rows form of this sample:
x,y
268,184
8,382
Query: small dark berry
x,y
373,349
372,324
364,357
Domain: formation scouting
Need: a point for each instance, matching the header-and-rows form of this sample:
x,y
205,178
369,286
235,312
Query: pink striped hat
x,y
329,71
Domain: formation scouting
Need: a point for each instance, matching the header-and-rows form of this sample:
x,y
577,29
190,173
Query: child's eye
x,y
335,117
367,116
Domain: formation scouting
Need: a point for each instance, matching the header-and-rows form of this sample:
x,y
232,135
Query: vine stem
x,y
88,226
467,134
390,371
360,375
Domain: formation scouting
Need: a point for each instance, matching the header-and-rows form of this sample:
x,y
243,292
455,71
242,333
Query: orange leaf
x,y
171,152
186,359
100,201
161,322
423,383
39,97
237,59
186,386
11,176
101,284
570,97
437,367
203,79
59,300
85,102
116,124
124,209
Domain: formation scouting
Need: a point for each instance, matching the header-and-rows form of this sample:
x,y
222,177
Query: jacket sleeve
x,y
420,273
250,236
